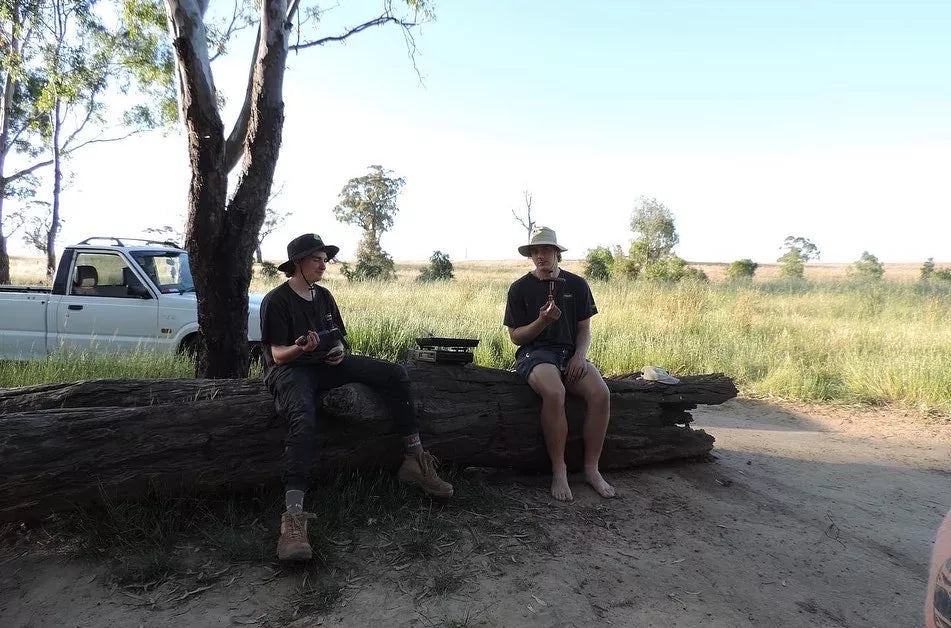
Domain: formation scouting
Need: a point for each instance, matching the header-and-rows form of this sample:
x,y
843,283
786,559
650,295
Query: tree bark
x,y
4,256
221,238
57,190
62,444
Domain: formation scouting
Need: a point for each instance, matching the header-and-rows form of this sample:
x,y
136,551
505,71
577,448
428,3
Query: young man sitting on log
x,y
548,313
302,334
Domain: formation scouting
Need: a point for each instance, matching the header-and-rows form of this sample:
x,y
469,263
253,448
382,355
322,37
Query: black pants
x,y
295,398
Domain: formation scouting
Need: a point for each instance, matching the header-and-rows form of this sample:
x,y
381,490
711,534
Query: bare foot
x,y
559,487
598,483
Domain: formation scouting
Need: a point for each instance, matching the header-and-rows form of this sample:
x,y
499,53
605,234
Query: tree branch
x,y
234,144
78,130
100,140
19,131
383,19
26,171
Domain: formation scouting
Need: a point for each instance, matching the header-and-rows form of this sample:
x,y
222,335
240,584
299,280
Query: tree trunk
x,y
6,110
63,444
207,191
57,189
257,254
4,256
221,240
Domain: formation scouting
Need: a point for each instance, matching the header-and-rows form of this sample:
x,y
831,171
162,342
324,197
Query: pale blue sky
x,y
750,120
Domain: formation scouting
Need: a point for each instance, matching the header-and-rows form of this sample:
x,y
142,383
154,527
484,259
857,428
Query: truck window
x,y
102,275
168,270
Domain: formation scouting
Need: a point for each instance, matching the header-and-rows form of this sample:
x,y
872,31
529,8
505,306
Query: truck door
x,y
106,308
23,325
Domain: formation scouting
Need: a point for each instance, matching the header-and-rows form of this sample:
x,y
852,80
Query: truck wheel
x,y
254,353
190,347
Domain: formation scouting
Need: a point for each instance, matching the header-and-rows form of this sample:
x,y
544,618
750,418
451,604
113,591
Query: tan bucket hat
x,y
540,236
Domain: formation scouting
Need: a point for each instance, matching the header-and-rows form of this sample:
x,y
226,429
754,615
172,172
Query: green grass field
x,y
827,340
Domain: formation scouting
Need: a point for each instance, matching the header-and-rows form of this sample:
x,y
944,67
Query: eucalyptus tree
x,y
64,58
370,202
222,228
797,250
654,233
18,117
527,222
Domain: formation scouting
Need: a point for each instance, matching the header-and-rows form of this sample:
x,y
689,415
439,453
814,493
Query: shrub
x,y
439,269
598,264
373,263
927,269
742,269
628,267
867,267
672,268
269,270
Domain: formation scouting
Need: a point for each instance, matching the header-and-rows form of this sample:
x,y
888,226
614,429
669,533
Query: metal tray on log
x,y
444,350
447,343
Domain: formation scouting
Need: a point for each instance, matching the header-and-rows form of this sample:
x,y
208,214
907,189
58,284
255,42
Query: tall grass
x,y
73,367
884,342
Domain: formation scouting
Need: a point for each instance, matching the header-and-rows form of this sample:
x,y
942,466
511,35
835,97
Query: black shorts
x,y
559,356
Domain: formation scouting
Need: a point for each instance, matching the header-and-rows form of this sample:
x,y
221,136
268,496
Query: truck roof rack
x,y
124,241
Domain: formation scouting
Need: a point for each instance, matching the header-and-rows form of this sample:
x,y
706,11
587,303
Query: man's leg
x,y
294,399
392,383
545,380
597,397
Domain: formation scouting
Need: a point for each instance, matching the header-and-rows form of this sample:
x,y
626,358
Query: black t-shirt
x,y
286,316
572,296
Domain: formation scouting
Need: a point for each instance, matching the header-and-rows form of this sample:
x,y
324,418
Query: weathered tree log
x,y
61,444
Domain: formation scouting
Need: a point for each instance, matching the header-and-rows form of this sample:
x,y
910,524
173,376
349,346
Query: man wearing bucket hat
x,y
548,313
303,339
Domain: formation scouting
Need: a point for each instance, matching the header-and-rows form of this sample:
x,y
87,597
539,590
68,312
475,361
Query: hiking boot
x,y
420,470
293,543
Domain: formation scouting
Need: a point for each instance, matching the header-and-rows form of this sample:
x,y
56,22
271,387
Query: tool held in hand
x,y
551,286
321,335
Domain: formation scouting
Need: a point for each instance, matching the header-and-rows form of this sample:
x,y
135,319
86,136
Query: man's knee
x,y
545,380
294,399
601,394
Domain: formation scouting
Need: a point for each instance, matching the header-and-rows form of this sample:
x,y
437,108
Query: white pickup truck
x,y
119,297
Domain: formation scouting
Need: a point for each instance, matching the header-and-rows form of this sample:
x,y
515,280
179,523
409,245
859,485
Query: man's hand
x,y
308,342
549,313
577,369
335,356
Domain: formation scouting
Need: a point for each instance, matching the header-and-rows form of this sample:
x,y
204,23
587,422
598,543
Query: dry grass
x,y
28,271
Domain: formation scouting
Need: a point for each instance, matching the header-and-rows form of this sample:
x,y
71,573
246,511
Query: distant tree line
x,y
651,253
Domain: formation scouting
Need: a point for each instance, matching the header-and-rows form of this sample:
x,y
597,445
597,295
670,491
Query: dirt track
x,y
809,516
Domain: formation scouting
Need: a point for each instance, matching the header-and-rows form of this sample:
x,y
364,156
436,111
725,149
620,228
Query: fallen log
x,y
62,444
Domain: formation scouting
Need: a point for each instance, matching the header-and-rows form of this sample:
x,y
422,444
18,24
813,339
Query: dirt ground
x,y
807,516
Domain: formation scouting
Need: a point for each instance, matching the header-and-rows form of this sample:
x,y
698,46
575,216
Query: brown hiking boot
x,y
420,470
293,544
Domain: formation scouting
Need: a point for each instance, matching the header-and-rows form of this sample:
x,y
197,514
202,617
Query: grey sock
x,y
412,444
294,501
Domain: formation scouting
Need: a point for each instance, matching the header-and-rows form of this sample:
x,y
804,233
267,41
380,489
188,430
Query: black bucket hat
x,y
302,246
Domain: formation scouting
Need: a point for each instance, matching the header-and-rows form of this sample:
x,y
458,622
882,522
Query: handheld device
x,y
321,335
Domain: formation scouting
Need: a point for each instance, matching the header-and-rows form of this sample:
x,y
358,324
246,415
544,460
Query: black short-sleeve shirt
x,y
572,296
286,316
